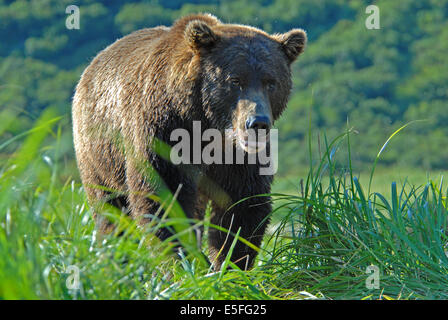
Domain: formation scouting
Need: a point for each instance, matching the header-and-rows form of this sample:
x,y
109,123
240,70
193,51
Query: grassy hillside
x,y
377,80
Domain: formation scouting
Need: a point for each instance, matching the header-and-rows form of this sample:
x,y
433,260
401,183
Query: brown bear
x,y
153,81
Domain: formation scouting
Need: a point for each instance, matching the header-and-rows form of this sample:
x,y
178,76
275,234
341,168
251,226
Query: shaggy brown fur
x,y
153,81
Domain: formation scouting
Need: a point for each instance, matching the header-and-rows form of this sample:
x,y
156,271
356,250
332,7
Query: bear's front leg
x,y
142,183
251,215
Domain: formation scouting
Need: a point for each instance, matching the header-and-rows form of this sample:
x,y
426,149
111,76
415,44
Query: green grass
x,y
326,231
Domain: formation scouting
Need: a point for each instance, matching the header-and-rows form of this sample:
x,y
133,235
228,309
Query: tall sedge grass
x,y
320,243
331,233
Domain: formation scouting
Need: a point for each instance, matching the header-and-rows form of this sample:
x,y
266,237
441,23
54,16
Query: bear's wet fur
x,y
153,81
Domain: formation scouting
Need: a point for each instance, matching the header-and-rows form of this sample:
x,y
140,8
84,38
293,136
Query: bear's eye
x,y
271,85
235,82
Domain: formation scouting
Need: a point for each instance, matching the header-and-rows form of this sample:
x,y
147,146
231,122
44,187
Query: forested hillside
x,y
374,80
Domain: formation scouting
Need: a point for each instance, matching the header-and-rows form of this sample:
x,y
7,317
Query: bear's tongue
x,y
252,143
252,146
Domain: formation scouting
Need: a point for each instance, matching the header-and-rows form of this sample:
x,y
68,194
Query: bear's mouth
x,y
252,143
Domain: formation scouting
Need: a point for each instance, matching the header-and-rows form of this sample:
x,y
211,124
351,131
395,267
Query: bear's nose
x,y
258,122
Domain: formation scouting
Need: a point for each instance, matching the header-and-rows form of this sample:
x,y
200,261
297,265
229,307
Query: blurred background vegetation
x,y
371,80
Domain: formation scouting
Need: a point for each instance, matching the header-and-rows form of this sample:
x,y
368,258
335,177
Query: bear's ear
x,y
200,35
292,42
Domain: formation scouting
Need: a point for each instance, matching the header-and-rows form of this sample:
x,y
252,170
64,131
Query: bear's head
x,y
245,75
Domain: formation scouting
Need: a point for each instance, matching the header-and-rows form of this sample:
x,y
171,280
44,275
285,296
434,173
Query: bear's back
x,y
109,80
122,56
124,51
